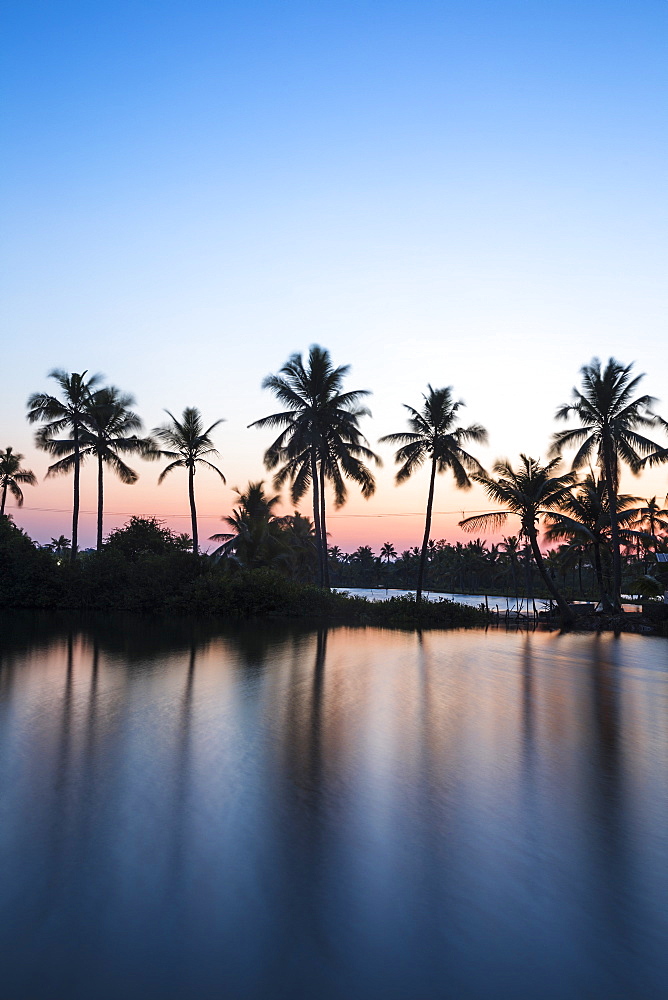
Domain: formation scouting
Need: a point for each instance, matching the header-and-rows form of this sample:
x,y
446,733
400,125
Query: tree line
x,y
320,444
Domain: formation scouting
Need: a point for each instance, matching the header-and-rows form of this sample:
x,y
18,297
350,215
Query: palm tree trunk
x,y
4,498
565,612
100,500
427,531
315,479
193,511
323,527
75,506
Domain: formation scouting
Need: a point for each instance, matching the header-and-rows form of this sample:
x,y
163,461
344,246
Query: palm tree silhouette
x,y
647,519
610,420
434,435
320,439
584,520
187,444
11,474
59,546
111,427
68,413
253,539
511,547
530,493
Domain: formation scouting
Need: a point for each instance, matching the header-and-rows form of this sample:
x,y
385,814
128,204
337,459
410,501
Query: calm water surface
x,y
187,812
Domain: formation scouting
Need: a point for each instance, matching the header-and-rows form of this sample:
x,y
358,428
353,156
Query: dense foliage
x,y
144,567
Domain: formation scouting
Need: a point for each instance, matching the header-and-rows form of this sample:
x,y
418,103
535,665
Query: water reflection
x,y
193,810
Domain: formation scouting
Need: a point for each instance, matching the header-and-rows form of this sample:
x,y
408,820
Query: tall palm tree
x,y
110,427
434,435
610,421
320,439
187,443
531,492
11,474
65,414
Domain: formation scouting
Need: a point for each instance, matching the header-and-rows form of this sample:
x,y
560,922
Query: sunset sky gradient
x,y
463,193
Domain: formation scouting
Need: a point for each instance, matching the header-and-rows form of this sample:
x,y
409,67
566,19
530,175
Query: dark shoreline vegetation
x,y
615,542
173,583
120,579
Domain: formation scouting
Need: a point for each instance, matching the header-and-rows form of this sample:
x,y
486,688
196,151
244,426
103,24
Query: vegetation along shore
x,y
575,538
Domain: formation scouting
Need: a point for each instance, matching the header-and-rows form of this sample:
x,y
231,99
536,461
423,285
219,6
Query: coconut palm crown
x,y
434,436
11,474
188,443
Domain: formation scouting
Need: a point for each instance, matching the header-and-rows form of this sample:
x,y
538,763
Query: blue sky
x,y
468,194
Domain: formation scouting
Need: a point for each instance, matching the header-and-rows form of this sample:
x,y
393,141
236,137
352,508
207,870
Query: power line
x,y
217,517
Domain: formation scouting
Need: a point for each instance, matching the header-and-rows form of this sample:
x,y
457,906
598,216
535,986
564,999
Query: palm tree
x,y
651,516
388,552
511,547
68,413
251,540
584,519
11,474
434,435
187,444
301,549
110,427
59,546
610,421
530,493
320,439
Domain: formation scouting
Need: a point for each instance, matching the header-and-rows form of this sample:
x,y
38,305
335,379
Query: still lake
x,y
192,811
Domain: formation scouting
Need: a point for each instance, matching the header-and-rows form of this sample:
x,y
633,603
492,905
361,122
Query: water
x,y
471,600
187,812
493,602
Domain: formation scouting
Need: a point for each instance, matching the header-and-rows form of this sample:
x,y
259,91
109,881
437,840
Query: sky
x,y
457,193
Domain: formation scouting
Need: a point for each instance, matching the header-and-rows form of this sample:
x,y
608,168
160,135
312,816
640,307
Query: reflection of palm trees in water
x,y
528,734
176,821
607,810
58,812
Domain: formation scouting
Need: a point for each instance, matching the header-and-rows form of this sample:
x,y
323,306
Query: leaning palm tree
x,y
62,415
610,422
110,427
320,439
11,474
187,443
434,435
531,492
